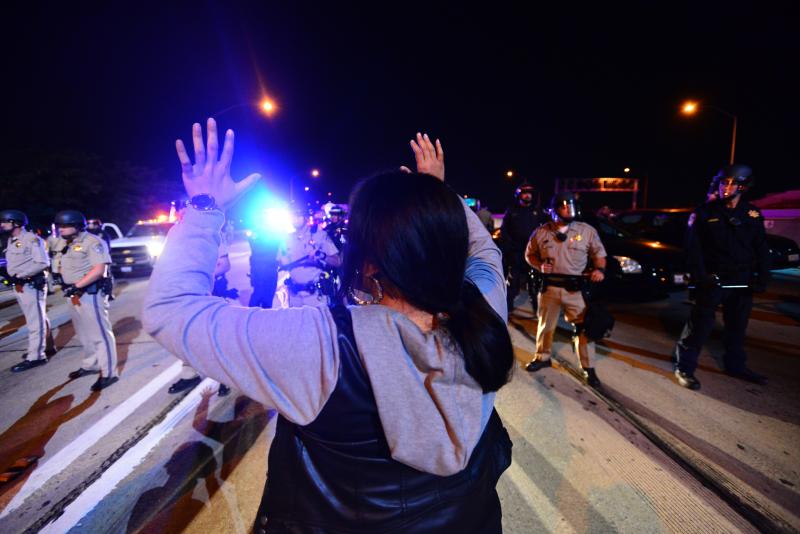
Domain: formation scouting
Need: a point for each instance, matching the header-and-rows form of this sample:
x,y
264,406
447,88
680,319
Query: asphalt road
x,y
639,455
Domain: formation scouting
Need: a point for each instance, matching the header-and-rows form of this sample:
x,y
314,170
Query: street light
x,y
315,173
626,170
510,174
266,106
690,107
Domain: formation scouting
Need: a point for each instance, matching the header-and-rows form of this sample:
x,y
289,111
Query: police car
x,y
137,252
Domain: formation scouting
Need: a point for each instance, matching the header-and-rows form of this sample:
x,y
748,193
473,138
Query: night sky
x,y
568,92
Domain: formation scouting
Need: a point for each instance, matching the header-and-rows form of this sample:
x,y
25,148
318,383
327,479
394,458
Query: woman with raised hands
x,y
386,407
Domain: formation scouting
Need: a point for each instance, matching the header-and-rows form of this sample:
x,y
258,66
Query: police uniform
x,y
303,278
27,264
519,222
568,257
89,313
337,233
725,247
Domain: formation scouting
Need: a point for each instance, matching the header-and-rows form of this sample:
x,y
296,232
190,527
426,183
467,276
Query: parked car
x,y
637,267
137,252
669,226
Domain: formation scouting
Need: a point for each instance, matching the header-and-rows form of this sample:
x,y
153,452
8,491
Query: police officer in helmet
x,y
27,263
564,246
95,226
83,261
336,228
519,222
728,261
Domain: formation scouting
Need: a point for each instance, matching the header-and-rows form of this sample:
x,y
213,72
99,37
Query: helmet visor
x,y
728,187
565,210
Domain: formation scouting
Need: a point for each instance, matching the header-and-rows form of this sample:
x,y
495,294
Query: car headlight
x,y
155,248
629,265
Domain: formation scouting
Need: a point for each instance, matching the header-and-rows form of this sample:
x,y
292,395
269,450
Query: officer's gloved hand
x,y
72,291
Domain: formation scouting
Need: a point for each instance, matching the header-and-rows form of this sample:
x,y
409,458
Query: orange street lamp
x,y
510,174
265,106
627,170
690,107
315,173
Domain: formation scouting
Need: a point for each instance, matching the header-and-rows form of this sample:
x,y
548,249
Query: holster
x,y
295,288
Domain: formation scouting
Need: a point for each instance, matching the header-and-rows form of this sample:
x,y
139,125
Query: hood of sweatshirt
x,y
432,411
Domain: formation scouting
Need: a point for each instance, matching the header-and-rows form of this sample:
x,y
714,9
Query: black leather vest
x,y
336,474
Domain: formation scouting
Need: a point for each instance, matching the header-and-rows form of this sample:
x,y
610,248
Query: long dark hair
x,y
413,229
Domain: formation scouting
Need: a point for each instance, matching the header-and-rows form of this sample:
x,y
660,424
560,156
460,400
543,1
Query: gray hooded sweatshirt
x,y
432,411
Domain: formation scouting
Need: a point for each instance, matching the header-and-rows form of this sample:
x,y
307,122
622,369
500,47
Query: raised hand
x,y
209,175
430,158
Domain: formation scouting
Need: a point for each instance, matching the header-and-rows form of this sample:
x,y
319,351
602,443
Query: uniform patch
x,y
692,217
578,237
18,244
754,214
98,248
77,248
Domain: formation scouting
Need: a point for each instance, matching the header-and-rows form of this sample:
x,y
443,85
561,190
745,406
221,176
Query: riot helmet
x,y
336,210
72,218
14,216
524,194
732,180
564,207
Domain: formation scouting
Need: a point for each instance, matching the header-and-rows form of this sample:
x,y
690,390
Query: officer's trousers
x,y
736,306
93,326
32,302
551,303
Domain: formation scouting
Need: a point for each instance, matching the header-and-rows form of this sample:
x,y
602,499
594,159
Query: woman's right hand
x,y
430,158
211,173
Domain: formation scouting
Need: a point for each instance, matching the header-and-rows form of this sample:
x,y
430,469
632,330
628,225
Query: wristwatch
x,y
203,202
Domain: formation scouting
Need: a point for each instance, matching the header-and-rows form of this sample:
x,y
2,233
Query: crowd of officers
x,y
559,258
552,252
77,260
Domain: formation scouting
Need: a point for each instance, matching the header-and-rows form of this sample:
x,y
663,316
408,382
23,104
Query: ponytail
x,y
483,338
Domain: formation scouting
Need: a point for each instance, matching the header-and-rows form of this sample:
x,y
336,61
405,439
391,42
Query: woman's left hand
x,y
597,276
209,175
430,158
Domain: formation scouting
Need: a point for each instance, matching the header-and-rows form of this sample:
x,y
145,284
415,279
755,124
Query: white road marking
x,y
120,469
538,501
63,458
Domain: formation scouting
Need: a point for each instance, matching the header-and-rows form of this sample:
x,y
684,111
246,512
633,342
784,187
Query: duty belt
x,y
37,280
294,287
566,281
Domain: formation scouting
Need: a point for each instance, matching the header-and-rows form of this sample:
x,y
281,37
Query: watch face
x,y
203,202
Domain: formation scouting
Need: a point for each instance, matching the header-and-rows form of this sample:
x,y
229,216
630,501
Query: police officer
x,y
304,254
84,261
27,264
519,222
565,246
263,268
336,227
726,247
95,226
